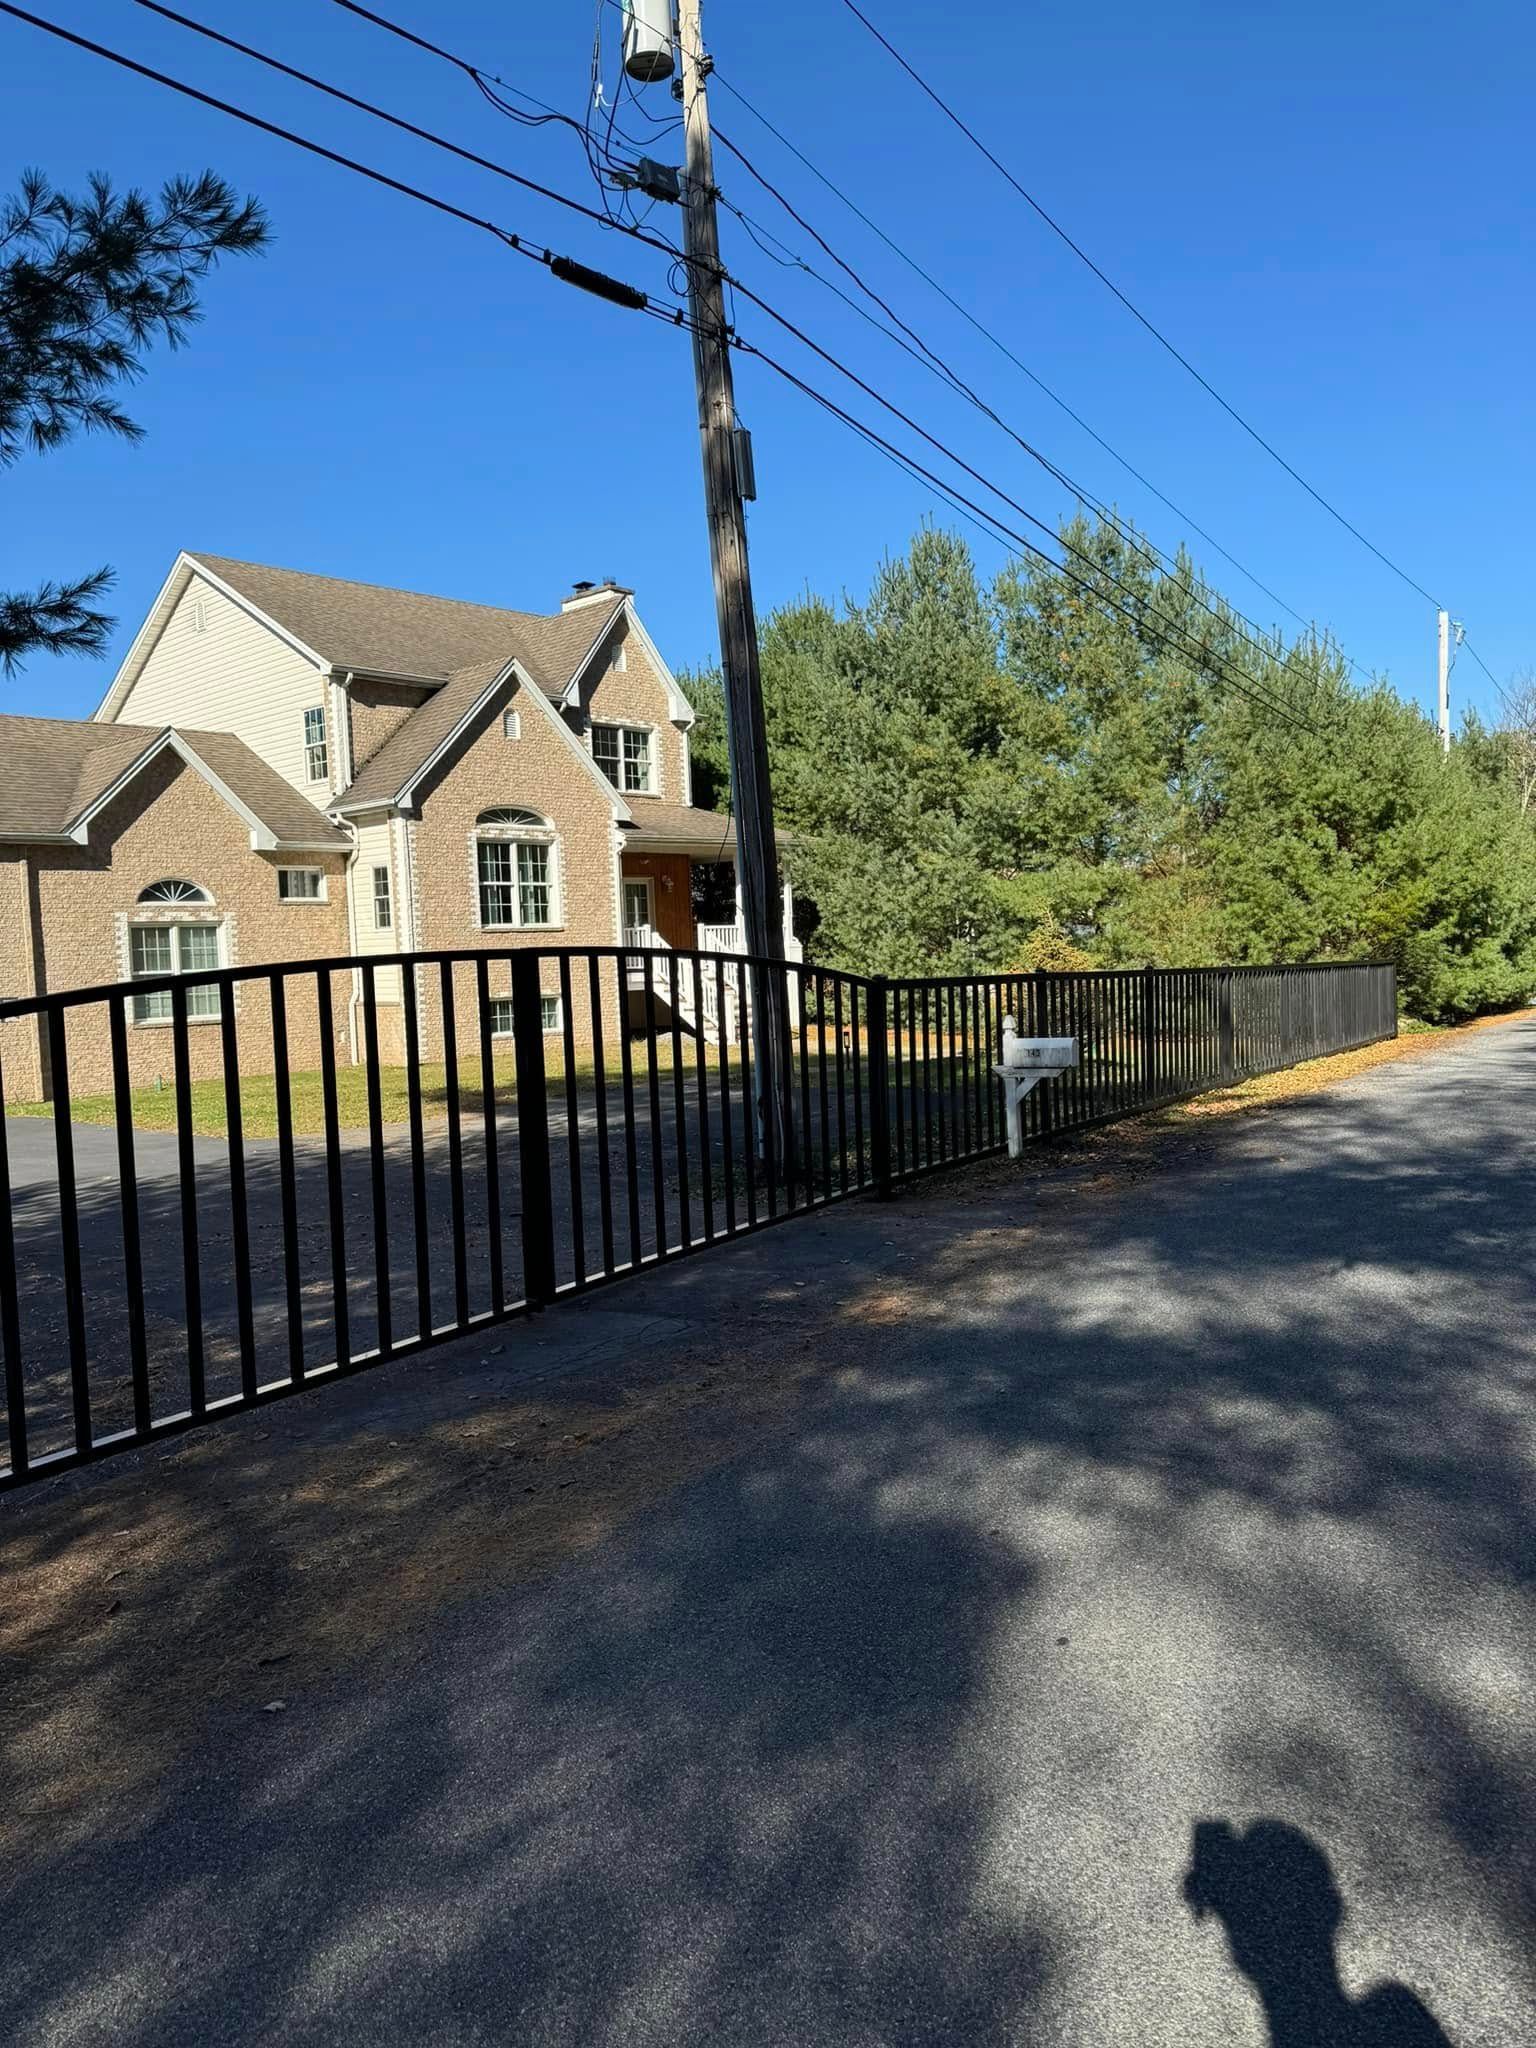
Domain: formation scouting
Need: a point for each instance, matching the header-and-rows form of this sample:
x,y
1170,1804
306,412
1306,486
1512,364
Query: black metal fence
x,y
461,1136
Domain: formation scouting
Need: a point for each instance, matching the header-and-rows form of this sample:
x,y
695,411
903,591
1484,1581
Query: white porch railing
x,y
695,997
710,938
730,938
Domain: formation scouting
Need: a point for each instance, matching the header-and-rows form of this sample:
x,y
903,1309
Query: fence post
x,y
877,1011
1042,1022
1148,1052
1225,1047
538,1221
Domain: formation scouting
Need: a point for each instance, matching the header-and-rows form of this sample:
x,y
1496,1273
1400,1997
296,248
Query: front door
x,y
637,905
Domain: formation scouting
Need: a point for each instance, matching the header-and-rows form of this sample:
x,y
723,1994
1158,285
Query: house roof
x,y
680,828
57,768
410,746
368,627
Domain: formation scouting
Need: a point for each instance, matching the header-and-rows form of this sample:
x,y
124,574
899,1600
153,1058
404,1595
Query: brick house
x,y
292,767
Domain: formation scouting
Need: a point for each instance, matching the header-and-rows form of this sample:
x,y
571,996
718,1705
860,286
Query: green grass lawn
x,y
154,1109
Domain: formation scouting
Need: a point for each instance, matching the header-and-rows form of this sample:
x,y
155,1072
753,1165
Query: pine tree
x,y
86,287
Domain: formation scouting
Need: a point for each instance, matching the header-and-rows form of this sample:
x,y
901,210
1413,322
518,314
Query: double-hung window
x,y
180,947
501,1015
626,755
383,903
515,871
317,760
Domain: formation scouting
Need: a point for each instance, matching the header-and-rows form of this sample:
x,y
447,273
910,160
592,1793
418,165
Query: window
x,y
515,870
624,754
173,949
618,660
534,886
300,885
383,907
501,1015
511,724
174,892
316,756
516,883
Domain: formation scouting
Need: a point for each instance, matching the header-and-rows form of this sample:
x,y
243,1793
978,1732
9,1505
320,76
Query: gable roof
x,y
367,627
386,774
387,777
58,772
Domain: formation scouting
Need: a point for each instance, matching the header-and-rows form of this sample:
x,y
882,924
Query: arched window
x,y
181,943
511,819
172,891
516,870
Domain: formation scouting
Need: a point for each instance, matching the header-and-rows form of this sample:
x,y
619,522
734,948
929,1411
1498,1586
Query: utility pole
x,y
746,734
1445,683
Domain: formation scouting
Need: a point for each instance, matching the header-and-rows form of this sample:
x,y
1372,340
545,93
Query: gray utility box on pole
x,y
1026,1062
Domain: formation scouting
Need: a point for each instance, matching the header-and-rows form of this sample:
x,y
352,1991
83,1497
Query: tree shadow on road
x,y
702,1790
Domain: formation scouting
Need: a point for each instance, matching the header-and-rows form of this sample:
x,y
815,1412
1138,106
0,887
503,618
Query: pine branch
x,y
88,285
56,618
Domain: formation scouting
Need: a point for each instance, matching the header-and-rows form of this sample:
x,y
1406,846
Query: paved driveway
x,y
1158,1544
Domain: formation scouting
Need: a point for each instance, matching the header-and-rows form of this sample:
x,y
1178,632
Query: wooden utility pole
x,y
1444,700
746,735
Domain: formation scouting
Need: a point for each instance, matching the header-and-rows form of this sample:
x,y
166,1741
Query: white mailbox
x,y
1026,1062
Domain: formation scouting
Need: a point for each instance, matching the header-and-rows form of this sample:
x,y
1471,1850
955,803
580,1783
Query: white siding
x,y
375,849
237,676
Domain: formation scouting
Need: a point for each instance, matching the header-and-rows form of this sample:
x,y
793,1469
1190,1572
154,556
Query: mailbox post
x,y
1026,1062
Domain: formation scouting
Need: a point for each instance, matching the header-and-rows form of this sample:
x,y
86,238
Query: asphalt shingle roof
x,y
55,768
367,627
712,832
384,774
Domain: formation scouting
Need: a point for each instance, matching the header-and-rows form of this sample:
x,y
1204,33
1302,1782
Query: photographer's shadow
x,y
1273,1890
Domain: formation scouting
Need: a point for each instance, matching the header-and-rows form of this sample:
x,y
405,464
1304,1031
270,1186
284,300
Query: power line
x,y
1264,642
481,78
557,265
630,296
336,92
492,86
919,347
1504,697
1225,613
607,217
1206,657
966,314
959,461
947,373
1134,310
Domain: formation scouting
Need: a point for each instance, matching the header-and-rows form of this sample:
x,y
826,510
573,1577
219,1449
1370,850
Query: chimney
x,y
604,593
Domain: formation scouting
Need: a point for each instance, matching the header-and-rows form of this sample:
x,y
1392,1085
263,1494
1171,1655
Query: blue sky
x,y
1328,208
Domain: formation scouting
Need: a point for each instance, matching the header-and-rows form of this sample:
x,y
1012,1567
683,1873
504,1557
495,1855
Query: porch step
x,y
694,1001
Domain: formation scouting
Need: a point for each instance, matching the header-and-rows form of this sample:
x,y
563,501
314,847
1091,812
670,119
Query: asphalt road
x,y
1166,1544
